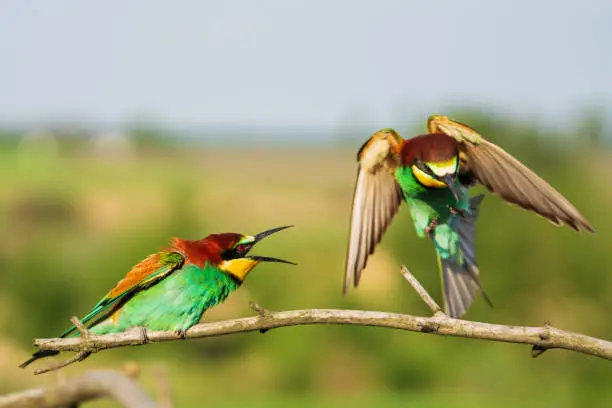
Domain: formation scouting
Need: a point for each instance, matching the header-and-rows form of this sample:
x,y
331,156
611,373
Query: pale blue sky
x,y
294,63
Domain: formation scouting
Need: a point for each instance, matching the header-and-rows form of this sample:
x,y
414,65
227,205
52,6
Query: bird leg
x,y
457,211
433,223
181,334
144,337
537,349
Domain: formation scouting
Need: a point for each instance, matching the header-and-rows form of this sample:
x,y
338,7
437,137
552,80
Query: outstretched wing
x,y
145,274
375,201
504,175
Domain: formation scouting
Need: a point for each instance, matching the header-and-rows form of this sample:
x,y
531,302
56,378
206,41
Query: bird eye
x,y
423,167
240,248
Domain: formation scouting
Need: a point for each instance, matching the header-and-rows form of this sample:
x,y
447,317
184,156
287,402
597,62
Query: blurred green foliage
x,y
76,219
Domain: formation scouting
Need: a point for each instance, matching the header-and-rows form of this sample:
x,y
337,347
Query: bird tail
x,y
71,332
37,355
460,272
46,353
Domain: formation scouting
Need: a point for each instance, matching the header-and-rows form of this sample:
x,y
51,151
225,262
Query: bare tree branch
x,y
91,386
541,338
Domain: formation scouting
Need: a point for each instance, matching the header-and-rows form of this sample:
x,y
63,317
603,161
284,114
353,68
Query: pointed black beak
x,y
269,259
269,232
261,236
450,182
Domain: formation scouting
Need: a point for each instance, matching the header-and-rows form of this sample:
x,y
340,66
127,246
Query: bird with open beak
x,y
171,290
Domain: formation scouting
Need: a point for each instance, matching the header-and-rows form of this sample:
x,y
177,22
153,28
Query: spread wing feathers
x,y
460,279
145,274
375,202
504,175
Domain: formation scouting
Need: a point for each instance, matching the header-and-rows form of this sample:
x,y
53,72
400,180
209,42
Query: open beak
x,y
269,259
450,182
269,232
263,235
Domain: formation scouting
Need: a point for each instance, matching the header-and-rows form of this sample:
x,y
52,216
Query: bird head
x,y
433,159
234,252
437,174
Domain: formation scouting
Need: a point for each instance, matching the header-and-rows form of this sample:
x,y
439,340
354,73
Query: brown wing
x,y
375,201
502,174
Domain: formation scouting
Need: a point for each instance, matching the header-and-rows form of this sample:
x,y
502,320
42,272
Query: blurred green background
x,y
123,124
78,212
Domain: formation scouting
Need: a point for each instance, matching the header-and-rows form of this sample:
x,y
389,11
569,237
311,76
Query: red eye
x,y
240,248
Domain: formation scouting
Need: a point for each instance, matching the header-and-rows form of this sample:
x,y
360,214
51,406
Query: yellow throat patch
x,y
439,168
239,268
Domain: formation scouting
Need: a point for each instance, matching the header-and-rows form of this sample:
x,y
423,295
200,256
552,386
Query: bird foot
x,y
181,334
144,336
433,223
457,211
538,349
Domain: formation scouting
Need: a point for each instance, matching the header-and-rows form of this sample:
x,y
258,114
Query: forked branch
x,y
541,338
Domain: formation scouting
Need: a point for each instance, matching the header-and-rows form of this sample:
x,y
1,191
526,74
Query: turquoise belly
x,y
428,203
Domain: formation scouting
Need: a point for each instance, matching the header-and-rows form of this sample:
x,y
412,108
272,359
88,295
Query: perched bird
x,y
432,173
171,290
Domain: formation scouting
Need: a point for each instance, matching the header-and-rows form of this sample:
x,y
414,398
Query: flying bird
x,y
432,173
171,290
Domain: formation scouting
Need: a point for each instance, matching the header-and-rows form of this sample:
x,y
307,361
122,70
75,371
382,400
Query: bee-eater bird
x,y
171,290
432,173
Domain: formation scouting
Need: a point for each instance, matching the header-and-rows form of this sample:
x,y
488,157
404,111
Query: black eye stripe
x,y
424,168
237,252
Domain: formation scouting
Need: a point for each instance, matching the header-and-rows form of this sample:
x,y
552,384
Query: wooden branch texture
x,y
90,386
540,338
546,337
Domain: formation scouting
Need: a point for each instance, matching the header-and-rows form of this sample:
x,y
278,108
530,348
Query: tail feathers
x,y
466,229
71,332
47,353
460,277
460,287
37,355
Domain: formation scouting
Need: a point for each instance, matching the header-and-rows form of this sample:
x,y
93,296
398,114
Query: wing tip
x,y
586,226
578,225
347,282
351,278
581,227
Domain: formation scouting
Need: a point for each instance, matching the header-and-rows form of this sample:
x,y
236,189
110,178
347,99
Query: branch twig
x,y
85,351
416,285
541,338
93,385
